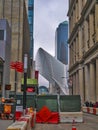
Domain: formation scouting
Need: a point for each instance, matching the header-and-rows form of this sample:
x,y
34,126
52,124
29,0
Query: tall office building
x,y
83,44
61,50
15,13
31,21
61,46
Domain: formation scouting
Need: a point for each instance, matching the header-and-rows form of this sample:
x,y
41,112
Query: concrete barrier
x,y
28,119
23,123
18,125
70,116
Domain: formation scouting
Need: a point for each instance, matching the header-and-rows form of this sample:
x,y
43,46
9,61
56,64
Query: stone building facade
x,y
15,13
83,46
5,54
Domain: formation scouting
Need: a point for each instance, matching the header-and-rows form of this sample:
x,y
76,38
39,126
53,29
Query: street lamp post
x,y
25,83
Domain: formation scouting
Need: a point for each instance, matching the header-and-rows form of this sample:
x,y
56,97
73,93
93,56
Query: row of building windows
x,y
30,8
84,39
30,13
30,20
76,13
30,2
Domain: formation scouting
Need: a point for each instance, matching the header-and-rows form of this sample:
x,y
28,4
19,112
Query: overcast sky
x,y
48,14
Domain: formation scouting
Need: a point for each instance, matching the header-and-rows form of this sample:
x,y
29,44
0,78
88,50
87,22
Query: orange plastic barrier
x,y
46,116
44,113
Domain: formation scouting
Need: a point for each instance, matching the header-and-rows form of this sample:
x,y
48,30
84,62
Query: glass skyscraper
x,y
31,21
61,38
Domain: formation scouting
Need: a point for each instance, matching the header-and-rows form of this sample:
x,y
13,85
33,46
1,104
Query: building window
x,y
31,27
30,2
30,13
1,34
30,20
30,8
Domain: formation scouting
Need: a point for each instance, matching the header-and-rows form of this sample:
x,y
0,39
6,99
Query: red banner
x,y
17,65
13,65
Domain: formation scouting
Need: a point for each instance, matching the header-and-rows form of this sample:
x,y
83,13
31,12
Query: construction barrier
x,y
95,112
70,103
70,116
33,120
51,101
84,109
18,114
23,123
30,99
46,116
90,110
18,125
28,119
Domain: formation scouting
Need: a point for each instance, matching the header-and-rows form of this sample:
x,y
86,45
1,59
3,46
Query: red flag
x,y
19,66
13,65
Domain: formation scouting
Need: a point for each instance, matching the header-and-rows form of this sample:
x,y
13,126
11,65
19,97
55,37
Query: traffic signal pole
x,y
25,83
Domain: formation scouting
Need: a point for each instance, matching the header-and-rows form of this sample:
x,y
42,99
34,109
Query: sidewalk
x,y
5,123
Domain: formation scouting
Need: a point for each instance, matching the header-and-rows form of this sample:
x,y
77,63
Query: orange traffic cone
x,y
74,126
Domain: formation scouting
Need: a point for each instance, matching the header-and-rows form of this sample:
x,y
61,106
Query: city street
x,y
90,122
48,64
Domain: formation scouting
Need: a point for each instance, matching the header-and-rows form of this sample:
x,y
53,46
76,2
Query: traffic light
x,y
30,88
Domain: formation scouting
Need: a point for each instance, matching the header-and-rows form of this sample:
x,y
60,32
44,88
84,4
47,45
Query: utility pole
x,y
25,83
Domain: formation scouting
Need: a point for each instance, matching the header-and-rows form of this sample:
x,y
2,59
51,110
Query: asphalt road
x,y
90,123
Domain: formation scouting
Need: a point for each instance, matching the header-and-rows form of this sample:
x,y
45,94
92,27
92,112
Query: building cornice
x,y
91,50
73,32
73,66
88,53
71,5
75,69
